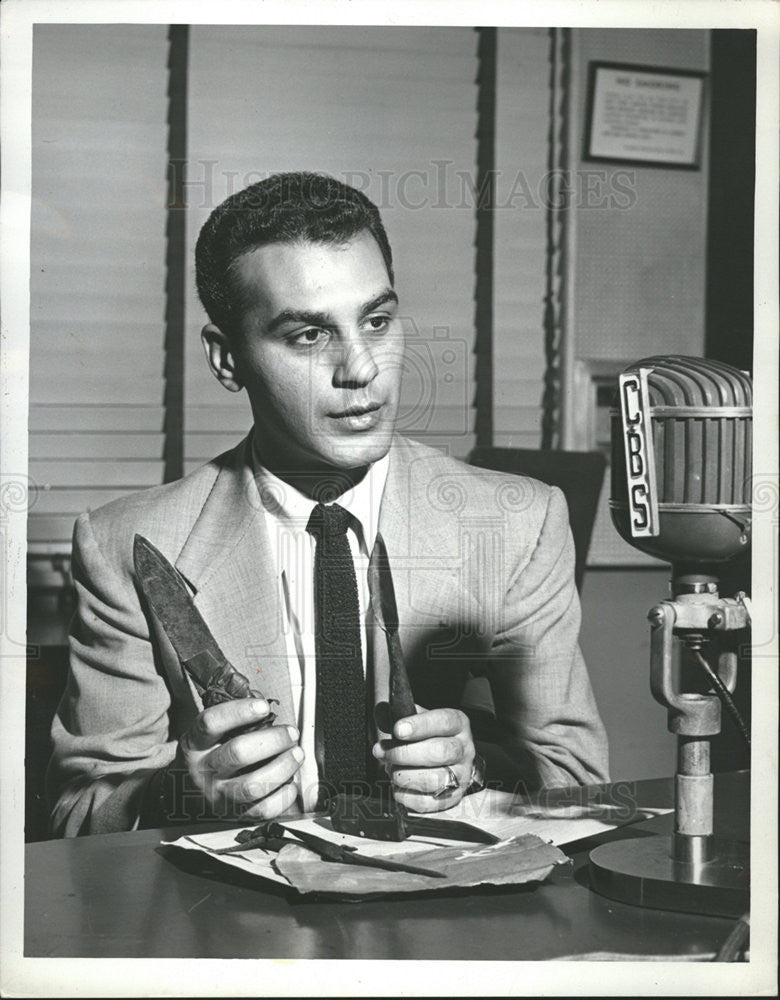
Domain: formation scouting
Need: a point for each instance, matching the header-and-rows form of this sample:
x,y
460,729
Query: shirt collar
x,y
294,508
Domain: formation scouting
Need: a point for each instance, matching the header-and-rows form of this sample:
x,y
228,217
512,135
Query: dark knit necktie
x,y
340,727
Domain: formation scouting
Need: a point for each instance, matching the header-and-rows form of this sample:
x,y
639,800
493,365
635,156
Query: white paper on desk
x,y
500,813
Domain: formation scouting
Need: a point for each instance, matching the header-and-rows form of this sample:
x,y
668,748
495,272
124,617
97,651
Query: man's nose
x,y
355,366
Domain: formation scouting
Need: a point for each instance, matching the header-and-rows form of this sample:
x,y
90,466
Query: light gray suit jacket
x,y
483,571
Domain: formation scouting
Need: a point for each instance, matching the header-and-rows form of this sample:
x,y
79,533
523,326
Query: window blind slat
x,y
98,446
202,447
108,391
73,501
47,472
119,301
233,420
520,419
76,351
425,41
50,528
518,439
129,419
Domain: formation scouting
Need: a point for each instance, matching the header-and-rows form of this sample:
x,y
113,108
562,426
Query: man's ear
x,y
220,357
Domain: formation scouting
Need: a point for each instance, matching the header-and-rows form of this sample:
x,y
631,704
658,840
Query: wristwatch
x,y
478,779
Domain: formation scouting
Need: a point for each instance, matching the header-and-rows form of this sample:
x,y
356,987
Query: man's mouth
x,y
358,416
357,410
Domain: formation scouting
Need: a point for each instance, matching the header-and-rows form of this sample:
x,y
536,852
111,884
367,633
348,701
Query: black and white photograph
x,y
389,499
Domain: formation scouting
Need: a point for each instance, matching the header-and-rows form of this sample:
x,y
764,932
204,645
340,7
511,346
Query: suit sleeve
x,y
111,731
542,695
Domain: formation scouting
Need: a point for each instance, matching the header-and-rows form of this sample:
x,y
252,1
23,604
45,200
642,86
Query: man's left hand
x,y
429,753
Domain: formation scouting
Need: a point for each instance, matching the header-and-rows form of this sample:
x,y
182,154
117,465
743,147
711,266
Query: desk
x,y
124,895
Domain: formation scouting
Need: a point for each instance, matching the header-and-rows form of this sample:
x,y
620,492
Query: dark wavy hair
x,y
283,208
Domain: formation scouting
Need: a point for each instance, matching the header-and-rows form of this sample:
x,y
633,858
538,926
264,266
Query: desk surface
x,y
124,895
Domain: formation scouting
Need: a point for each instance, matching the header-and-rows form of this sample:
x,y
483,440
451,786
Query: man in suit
x,y
296,276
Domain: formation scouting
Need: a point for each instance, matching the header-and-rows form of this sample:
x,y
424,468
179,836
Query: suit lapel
x,y
227,560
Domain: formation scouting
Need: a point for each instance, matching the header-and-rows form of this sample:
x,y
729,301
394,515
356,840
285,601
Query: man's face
x,y
320,352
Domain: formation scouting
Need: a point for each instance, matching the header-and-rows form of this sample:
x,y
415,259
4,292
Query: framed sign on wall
x,y
643,114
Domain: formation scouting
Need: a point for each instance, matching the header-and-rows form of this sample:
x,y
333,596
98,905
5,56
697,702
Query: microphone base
x,y
641,871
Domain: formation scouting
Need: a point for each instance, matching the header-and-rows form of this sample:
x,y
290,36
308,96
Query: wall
x,y
615,641
640,262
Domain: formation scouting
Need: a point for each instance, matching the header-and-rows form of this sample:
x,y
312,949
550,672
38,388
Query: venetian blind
x,y
97,284
522,127
390,110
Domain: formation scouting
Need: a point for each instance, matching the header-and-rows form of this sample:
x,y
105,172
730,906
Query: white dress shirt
x,y
287,512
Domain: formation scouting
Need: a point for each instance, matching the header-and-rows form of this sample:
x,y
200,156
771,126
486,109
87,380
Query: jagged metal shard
x,y
216,679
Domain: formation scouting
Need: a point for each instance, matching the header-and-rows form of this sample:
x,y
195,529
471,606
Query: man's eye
x,y
310,337
378,324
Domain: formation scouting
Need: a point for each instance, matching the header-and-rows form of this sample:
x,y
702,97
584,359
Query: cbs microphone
x,y
681,460
681,479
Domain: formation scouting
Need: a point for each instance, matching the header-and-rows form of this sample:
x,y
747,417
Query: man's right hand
x,y
268,759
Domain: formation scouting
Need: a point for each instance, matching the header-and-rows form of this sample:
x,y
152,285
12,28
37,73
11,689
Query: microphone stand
x,y
695,871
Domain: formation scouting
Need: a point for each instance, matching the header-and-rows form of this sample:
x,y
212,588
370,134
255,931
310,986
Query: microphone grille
x,y
701,416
